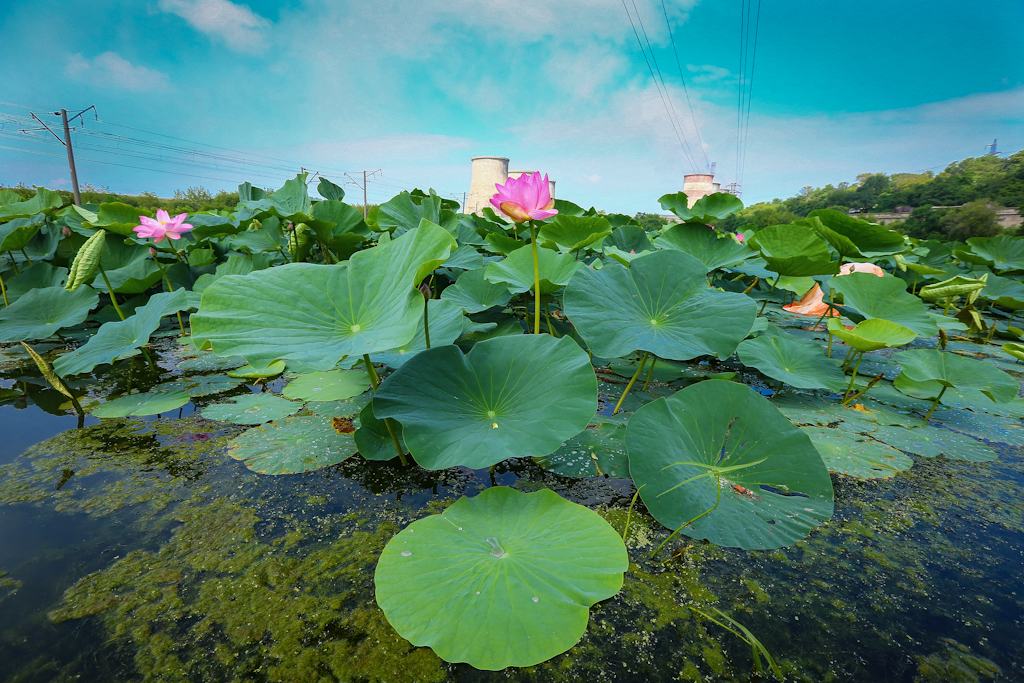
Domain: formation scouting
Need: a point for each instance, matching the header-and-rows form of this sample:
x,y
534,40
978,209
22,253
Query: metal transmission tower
x,y
66,140
734,189
992,149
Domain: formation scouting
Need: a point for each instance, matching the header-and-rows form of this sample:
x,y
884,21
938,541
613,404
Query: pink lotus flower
x,y
525,197
740,238
163,226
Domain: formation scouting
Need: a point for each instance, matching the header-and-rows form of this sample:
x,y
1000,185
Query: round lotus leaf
x,y
293,445
869,239
1002,253
41,312
148,403
801,364
793,250
333,385
250,372
1015,350
572,233
980,403
252,409
953,370
347,408
856,455
473,293
516,396
872,334
955,286
1006,430
207,361
931,442
664,371
886,298
661,303
201,385
516,270
721,448
503,579
707,245
373,438
446,325
599,450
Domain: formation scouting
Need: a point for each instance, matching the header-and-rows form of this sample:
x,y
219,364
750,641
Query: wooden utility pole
x,y
366,176
71,157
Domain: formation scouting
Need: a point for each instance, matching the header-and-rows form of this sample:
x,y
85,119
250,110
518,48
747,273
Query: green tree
x,y
974,219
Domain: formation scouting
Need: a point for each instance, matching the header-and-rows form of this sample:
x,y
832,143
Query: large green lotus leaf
x,y
931,442
622,257
292,445
128,267
1004,291
1015,350
872,334
855,455
206,361
148,403
708,209
41,312
402,212
332,385
516,270
629,238
572,233
39,276
871,239
599,450
886,298
473,293
446,325
318,314
503,579
955,286
466,257
346,219
251,372
662,304
516,396
201,385
1002,253
373,438
16,233
989,427
952,370
796,362
252,409
794,250
329,190
722,443
708,246
499,243
118,338
43,201
922,269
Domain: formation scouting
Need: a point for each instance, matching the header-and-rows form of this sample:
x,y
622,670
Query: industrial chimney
x,y
487,172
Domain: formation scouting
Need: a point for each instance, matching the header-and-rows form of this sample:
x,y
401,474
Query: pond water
x,y
137,549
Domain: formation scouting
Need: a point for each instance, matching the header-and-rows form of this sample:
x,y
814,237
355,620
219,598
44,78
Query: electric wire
x,y
750,95
686,92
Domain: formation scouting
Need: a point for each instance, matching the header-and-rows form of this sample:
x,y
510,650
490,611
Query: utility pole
x,y
66,141
366,174
456,196
71,157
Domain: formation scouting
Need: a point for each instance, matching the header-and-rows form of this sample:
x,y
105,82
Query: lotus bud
x,y
152,251
256,225
425,290
291,227
66,231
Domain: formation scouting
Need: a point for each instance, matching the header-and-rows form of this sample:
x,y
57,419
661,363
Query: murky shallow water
x,y
137,550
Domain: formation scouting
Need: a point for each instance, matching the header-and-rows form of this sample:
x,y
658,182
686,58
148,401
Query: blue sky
x,y
417,88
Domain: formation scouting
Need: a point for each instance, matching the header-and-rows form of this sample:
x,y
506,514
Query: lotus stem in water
x,y
3,290
650,373
375,382
718,488
937,399
110,291
853,377
643,361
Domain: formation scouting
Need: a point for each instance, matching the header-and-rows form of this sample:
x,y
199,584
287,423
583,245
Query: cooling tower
x,y
551,183
487,172
697,185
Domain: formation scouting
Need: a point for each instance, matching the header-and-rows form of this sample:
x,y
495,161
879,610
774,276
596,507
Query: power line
x,y
750,94
682,80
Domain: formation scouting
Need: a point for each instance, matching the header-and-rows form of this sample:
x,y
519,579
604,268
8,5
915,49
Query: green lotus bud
x,y
87,260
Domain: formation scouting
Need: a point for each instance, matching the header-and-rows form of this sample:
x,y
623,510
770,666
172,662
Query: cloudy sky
x,y
211,92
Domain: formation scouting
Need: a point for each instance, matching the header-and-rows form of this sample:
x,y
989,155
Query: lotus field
x,y
734,378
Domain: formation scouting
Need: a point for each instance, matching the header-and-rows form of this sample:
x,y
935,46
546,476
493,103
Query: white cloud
x,y
237,25
708,73
112,70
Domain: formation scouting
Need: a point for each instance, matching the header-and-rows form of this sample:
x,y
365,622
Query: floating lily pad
x,y
664,371
348,408
250,372
208,361
148,403
333,385
599,450
503,579
951,370
661,304
722,449
855,455
292,445
42,312
801,364
201,385
931,442
509,397
252,409
1006,430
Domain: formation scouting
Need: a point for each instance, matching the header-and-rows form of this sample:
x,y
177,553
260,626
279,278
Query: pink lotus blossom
x,y
525,197
163,226
740,238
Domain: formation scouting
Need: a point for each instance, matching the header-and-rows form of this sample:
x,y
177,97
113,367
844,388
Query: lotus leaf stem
x,y
26,257
828,311
536,280
3,290
375,381
170,288
765,304
864,390
629,513
846,360
547,317
937,399
991,331
853,377
14,263
110,291
718,487
752,285
949,302
426,324
643,361
650,373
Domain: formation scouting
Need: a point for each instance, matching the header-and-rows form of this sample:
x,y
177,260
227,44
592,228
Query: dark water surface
x,y
136,549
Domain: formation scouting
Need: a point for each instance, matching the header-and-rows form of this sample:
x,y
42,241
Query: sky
x,y
596,93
